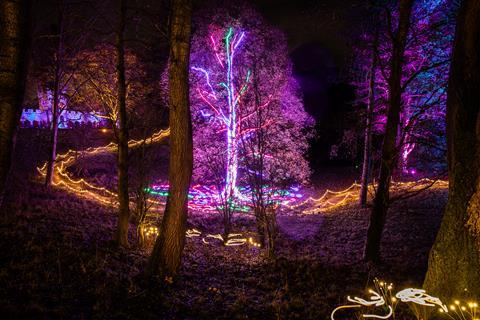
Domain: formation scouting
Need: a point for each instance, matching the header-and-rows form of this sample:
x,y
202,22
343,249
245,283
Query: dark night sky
x,y
319,35
329,22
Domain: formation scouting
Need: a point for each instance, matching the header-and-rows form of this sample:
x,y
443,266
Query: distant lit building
x,y
36,118
41,117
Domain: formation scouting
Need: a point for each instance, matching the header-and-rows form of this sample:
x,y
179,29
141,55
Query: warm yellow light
x,y
334,199
83,188
408,295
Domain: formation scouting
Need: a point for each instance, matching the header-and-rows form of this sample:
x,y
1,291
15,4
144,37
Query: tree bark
x,y
367,148
55,107
167,252
389,148
261,225
14,44
454,262
122,161
53,137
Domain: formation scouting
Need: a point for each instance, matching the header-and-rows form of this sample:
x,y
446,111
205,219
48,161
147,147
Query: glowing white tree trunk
x,y
227,114
232,126
232,162
406,150
406,143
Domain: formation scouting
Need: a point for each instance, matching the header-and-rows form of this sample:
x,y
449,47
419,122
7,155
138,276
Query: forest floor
x,y
57,261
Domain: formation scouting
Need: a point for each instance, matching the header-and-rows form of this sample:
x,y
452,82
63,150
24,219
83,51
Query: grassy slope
x,y
56,261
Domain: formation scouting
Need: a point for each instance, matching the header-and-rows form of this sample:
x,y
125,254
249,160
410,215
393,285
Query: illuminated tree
x,y
272,158
405,92
396,62
55,65
223,107
242,89
100,78
98,93
423,87
424,83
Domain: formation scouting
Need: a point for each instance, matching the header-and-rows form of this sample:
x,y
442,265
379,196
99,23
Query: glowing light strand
x,y
334,199
408,295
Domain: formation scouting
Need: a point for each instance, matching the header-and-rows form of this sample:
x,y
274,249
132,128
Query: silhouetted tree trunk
x,y
167,252
367,148
14,43
389,149
55,106
53,133
454,263
261,223
123,198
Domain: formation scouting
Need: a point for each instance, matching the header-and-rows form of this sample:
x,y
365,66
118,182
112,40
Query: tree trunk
x,y
55,106
167,252
389,148
123,198
14,45
367,148
261,225
271,226
227,218
141,235
53,143
54,132
454,263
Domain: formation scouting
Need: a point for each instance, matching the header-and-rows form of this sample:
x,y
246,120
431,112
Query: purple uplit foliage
x,y
424,80
242,89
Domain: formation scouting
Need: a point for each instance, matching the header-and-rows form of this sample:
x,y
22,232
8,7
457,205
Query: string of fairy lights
x,y
333,199
81,187
84,188
232,239
209,199
204,198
